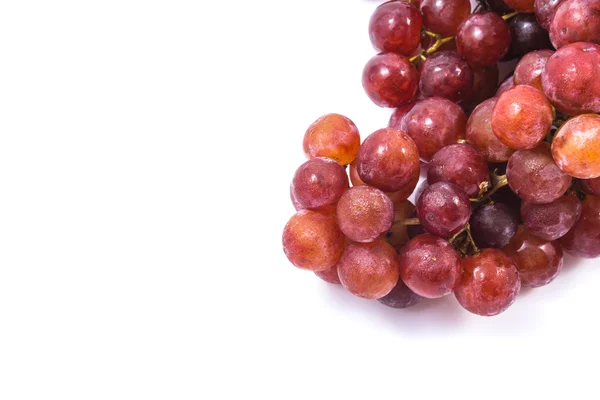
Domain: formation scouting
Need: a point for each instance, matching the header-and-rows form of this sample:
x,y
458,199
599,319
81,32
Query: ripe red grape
x,y
329,275
434,123
365,213
446,74
508,83
522,117
319,182
295,203
544,11
369,270
444,209
493,225
529,69
333,136
462,165
430,266
570,79
575,21
399,113
400,297
388,159
444,16
483,38
534,176
390,80
485,80
576,146
524,6
538,261
553,220
395,26
583,240
480,135
312,240
527,36
590,186
490,283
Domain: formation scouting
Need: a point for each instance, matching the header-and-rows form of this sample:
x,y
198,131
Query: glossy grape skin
x,y
576,147
399,113
590,186
553,220
443,209
446,74
529,69
319,182
444,16
538,261
461,165
400,297
490,283
524,6
397,237
493,225
575,21
388,159
369,270
390,80
483,38
333,136
522,117
534,176
480,135
527,36
312,240
297,206
508,83
395,26
364,213
544,11
434,123
329,275
572,92
583,240
485,80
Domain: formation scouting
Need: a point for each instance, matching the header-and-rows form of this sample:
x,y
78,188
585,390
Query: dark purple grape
x,y
583,240
493,225
444,209
483,38
553,220
446,74
319,182
400,297
527,35
499,6
506,196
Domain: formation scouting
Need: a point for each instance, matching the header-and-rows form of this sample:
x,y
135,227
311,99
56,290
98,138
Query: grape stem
x,y
439,42
463,240
509,16
498,182
411,221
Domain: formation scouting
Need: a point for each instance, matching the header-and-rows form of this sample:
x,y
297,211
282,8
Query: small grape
x,y
480,135
369,270
575,21
483,38
444,16
333,136
312,240
395,26
390,80
553,220
493,225
400,297
583,240
319,182
364,213
527,36
529,69
446,74
490,283
329,275
430,266
576,147
444,209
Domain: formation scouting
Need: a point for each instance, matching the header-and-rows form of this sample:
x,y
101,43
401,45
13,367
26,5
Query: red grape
x,y
444,209
480,135
319,182
570,79
576,146
400,297
446,74
365,213
524,6
544,11
390,80
534,176
295,203
553,220
493,225
434,123
444,16
508,83
583,240
430,266
369,270
483,38
388,159
399,113
396,26
329,275
538,261
529,69
575,21
591,186
312,240
522,117
462,165
490,283
333,136
527,36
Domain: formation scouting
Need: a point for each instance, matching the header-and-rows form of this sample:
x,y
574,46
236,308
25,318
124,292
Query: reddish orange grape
x,y
576,147
333,136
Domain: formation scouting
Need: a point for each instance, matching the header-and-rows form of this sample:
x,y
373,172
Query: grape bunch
x,y
512,170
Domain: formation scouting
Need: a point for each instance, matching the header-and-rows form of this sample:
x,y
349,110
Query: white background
x,y
145,159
